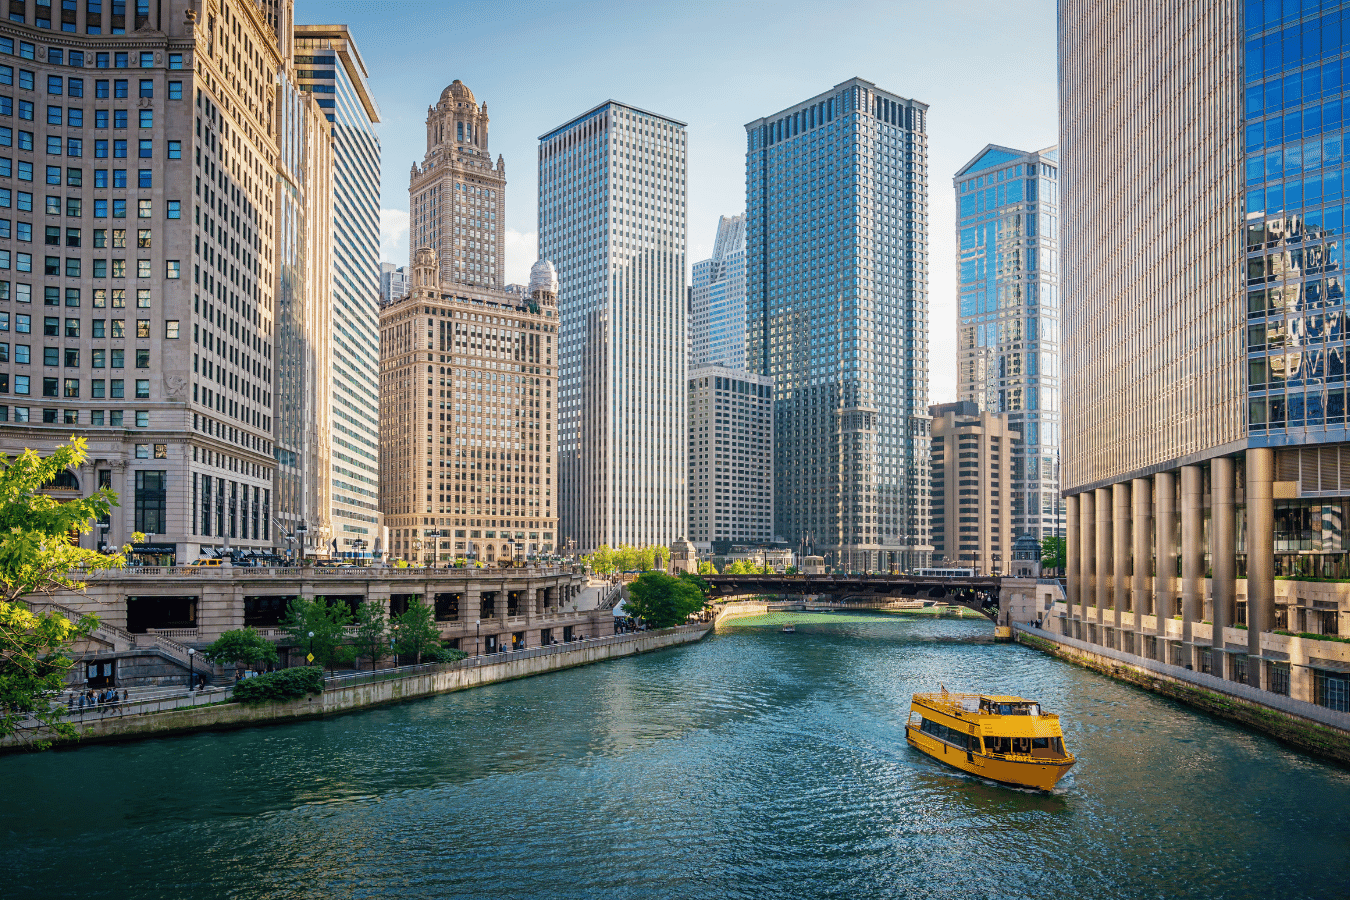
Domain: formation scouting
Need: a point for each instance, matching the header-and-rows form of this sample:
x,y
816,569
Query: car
x,y
206,562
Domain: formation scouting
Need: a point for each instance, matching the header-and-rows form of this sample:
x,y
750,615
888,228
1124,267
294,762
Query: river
x,y
752,764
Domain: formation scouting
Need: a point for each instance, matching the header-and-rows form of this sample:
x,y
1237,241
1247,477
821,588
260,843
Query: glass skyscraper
x,y
1205,446
717,301
329,66
612,220
837,314
1008,321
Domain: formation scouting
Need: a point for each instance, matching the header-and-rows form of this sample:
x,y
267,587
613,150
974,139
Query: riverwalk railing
x,y
138,706
355,679
248,572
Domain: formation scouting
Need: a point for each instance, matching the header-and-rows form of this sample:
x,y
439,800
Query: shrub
x,y
445,655
287,684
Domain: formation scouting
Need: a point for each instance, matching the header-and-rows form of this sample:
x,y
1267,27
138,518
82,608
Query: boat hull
x,y
1039,774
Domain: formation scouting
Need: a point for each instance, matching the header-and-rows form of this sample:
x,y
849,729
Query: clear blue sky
x,y
987,70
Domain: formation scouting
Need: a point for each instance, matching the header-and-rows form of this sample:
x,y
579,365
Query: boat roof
x,y
952,697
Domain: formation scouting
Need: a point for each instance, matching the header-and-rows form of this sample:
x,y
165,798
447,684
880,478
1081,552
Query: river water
x,y
752,764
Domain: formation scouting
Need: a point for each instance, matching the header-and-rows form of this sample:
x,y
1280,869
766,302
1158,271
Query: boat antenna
x,y
943,686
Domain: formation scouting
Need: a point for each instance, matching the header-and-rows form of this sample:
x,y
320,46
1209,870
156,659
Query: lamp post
x,y
477,631
301,532
311,647
996,561
103,536
192,669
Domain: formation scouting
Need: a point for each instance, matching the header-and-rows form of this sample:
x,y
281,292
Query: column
x,y
1120,555
1165,551
1192,548
1260,557
1088,557
1072,554
1223,550
1140,490
1104,568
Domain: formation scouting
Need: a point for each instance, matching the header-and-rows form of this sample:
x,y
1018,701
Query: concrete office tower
x,y
467,380
1204,346
328,65
394,282
457,197
974,452
303,427
837,315
147,322
717,301
730,456
1008,325
612,219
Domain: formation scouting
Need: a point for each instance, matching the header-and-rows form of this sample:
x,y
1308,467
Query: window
x,y
74,86
119,118
115,418
142,268
142,298
51,325
74,177
142,418
26,79
72,297
53,145
95,417
151,496
72,267
143,11
143,239
54,115
119,178
119,238
101,152
175,209
147,87
142,388
25,140
175,149
142,451
23,323
101,181
100,206
119,149
171,329
23,262
53,174
52,265
97,388
117,389
144,209
147,120
145,178
175,62
119,328
26,110
142,331
101,85
118,359
143,357
21,384
120,84
71,388
75,147
100,328
145,150
175,90
100,271
101,120
51,387
25,171
171,268
119,209
53,236
54,84
72,358
72,237
99,357
72,328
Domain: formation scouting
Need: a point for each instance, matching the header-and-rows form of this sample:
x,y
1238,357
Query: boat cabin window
x,y
993,708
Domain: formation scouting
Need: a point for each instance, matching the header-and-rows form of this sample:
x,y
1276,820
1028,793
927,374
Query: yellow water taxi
x,y
1006,739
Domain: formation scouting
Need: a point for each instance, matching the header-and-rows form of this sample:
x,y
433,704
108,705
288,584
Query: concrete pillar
x,y
1120,554
1141,502
1105,569
1165,549
1087,534
1073,572
1192,548
1260,556
1223,550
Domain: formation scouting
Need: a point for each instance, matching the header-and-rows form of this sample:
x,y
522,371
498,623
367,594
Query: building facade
x,y
394,282
717,301
467,468
974,454
837,315
1203,402
1008,318
147,321
457,197
612,219
730,456
328,66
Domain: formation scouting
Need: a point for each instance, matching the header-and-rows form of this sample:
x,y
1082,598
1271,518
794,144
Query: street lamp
x,y
301,531
103,538
311,648
477,630
192,669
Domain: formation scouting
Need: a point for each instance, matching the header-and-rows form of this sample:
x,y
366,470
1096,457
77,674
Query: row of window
x,y
69,388
51,327
73,116
51,296
56,56
74,207
113,417
23,262
145,178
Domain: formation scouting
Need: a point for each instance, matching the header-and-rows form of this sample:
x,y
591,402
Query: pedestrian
x,y
81,702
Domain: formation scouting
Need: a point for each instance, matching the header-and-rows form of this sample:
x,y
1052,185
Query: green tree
x,y
627,558
646,558
791,570
38,557
703,587
737,567
663,557
242,646
706,568
662,601
602,561
326,622
1052,552
415,632
372,631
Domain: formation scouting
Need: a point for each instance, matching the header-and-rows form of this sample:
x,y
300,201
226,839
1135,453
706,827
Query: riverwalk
x,y
213,709
1311,728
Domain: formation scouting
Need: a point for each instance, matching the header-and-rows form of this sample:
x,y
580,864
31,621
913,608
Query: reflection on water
x,y
753,764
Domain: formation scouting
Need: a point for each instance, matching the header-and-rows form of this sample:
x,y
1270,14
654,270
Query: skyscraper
x,y
837,314
612,219
329,66
1204,343
394,282
146,324
457,197
1008,325
972,466
730,456
717,301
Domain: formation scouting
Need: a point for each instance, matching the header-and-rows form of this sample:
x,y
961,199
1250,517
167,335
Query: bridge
x,y
866,591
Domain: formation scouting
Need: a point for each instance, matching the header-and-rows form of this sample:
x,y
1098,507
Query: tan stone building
x,y
972,475
467,440
457,197
138,264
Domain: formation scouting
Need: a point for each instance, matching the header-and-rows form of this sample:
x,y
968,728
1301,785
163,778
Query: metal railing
x,y
132,572
137,706
355,679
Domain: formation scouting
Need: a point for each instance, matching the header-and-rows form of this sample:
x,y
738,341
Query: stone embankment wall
x,y
739,610
364,691
1313,729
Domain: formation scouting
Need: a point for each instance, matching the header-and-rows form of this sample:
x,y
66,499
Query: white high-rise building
x,y
717,301
612,219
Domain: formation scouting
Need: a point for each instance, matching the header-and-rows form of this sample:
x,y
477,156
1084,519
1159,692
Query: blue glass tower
x,y
837,314
1008,325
